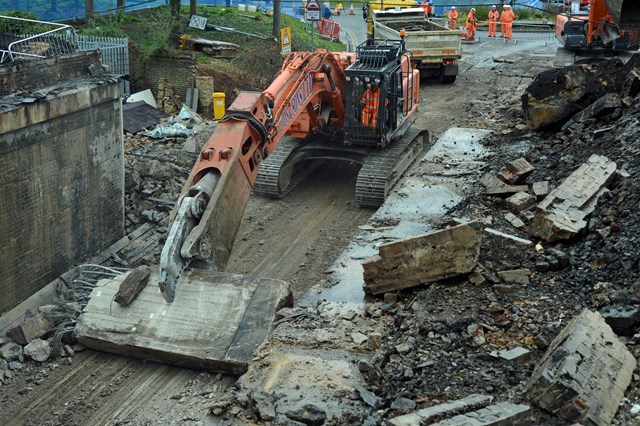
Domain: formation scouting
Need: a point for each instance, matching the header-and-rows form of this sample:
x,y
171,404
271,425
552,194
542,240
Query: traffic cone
x,y
351,12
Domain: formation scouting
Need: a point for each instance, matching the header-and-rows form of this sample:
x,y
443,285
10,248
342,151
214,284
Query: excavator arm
x,y
207,216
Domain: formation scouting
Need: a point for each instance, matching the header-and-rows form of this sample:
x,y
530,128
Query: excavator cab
x,y
381,93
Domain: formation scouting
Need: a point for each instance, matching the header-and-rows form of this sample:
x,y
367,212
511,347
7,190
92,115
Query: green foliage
x,y
151,29
20,27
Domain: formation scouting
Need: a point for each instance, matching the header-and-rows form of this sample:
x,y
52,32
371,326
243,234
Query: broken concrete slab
x,y
520,202
604,105
557,94
428,415
514,220
562,214
515,171
495,186
584,373
623,320
631,86
516,276
541,189
502,414
32,328
517,354
132,285
215,323
423,259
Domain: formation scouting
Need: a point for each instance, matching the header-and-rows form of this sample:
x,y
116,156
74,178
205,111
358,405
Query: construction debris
x,y
605,105
541,189
38,350
558,94
520,202
234,316
516,276
515,171
132,285
427,258
428,415
504,413
32,328
584,373
562,214
495,186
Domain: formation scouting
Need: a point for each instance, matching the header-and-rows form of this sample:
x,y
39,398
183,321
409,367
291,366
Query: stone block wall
x,y
61,184
179,71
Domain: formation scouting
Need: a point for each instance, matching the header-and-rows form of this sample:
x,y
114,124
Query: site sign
x,y
285,40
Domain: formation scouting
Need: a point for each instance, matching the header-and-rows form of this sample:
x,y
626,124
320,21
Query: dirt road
x,y
294,239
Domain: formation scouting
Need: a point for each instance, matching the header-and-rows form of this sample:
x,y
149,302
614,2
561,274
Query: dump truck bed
x,y
428,41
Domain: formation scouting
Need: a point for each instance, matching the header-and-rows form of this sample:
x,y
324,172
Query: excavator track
x,y
384,167
276,177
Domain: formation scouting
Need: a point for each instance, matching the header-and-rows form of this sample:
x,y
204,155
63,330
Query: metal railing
x,y
28,38
114,52
525,32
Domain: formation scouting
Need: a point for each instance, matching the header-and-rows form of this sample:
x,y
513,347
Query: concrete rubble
x,y
563,213
132,284
584,373
428,258
515,171
558,94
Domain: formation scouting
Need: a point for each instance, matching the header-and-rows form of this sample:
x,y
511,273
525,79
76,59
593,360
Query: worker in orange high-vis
x,y
425,6
494,15
470,25
370,102
453,18
506,18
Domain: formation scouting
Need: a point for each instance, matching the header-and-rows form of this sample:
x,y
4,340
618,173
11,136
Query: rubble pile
x,y
449,340
158,163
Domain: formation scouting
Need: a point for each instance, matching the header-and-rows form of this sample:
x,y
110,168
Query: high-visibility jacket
x,y
471,19
370,101
507,16
494,15
425,6
453,19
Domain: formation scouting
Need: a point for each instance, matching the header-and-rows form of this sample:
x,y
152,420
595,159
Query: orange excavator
x,y
602,25
311,111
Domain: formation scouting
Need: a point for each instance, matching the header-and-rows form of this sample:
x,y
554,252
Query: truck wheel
x,y
448,79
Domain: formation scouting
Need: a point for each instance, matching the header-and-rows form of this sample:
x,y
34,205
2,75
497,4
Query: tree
x,y
88,8
193,6
174,7
276,19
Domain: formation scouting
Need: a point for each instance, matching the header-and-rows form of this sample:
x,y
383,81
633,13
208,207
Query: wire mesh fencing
x,y
30,39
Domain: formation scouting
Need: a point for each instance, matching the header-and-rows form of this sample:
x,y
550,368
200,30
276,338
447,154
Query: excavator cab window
x,y
374,102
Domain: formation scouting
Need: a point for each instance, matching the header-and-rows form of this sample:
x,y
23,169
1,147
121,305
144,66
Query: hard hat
x,y
507,6
453,7
472,9
493,7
